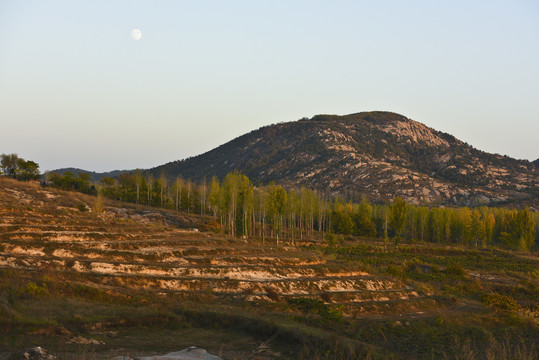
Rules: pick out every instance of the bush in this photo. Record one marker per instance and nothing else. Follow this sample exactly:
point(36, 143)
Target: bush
point(455, 269)
point(501, 302)
point(34, 290)
point(310, 307)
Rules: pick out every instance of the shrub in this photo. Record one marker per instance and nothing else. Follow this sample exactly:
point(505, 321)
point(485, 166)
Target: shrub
point(310, 307)
point(212, 226)
point(34, 290)
point(501, 302)
point(455, 269)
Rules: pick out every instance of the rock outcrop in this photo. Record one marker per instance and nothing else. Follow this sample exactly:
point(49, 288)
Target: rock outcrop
point(191, 353)
point(378, 155)
point(35, 353)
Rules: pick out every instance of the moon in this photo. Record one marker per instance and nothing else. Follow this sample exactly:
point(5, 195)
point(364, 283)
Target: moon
point(136, 34)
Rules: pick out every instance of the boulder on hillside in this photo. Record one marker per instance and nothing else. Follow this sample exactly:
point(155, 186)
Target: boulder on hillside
point(191, 353)
point(35, 353)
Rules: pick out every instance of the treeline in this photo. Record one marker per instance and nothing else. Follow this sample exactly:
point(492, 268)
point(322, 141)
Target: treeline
point(13, 166)
point(68, 181)
point(243, 210)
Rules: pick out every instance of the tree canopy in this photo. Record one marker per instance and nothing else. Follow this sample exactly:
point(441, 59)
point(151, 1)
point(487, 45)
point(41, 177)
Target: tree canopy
point(13, 166)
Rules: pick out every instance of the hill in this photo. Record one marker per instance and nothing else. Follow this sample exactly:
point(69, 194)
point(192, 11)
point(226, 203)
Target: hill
point(97, 281)
point(94, 176)
point(378, 155)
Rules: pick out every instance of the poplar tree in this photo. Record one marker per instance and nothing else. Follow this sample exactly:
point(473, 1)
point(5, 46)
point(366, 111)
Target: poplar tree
point(398, 217)
point(214, 196)
point(137, 177)
point(150, 184)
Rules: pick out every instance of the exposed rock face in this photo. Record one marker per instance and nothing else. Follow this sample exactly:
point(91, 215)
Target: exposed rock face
point(191, 353)
point(36, 353)
point(378, 155)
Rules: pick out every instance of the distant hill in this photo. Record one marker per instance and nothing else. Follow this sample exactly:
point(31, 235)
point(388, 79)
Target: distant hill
point(94, 176)
point(377, 155)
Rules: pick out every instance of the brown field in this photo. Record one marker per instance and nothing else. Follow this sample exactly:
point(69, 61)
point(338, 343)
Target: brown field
point(131, 280)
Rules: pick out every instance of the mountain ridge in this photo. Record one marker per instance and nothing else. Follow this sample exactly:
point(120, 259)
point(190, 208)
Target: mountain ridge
point(94, 176)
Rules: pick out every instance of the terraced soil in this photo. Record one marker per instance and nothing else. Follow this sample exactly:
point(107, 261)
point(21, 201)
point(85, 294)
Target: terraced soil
point(165, 259)
point(130, 258)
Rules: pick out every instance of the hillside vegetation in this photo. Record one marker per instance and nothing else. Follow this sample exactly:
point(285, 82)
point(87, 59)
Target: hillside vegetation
point(244, 210)
point(88, 277)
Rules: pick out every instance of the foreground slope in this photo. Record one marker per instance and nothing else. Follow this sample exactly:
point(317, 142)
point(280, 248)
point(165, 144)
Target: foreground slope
point(135, 280)
point(379, 155)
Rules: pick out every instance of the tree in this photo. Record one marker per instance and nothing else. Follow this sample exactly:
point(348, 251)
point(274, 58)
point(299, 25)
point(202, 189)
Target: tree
point(28, 170)
point(215, 196)
point(477, 228)
point(526, 227)
point(342, 219)
point(518, 230)
point(13, 166)
point(163, 189)
point(465, 220)
point(203, 197)
point(108, 187)
point(260, 203)
point(292, 206)
point(363, 219)
point(9, 164)
point(422, 221)
point(489, 224)
point(277, 207)
point(138, 178)
point(398, 217)
point(230, 187)
point(149, 188)
point(245, 204)
point(177, 188)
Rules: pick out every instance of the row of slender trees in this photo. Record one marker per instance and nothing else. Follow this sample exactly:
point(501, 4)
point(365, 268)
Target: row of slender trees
point(243, 210)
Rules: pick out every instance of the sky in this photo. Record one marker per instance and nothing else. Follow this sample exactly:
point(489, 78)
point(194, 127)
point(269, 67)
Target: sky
point(77, 90)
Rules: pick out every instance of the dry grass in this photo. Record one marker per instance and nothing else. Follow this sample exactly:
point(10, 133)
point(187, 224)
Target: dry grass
point(137, 283)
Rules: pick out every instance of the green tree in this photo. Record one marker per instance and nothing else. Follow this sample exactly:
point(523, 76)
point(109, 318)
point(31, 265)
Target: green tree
point(16, 167)
point(109, 187)
point(398, 217)
point(422, 221)
point(477, 228)
point(342, 219)
point(163, 189)
point(518, 229)
point(9, 163)
point(465, 220)
point(526, 230)
point(230, 196)
point(489, 223)
point(277, 207)
point(139, 180)
point(27, 170)
point(363, 219)
point(177, 189)
point(149, 189)
point(214, 198)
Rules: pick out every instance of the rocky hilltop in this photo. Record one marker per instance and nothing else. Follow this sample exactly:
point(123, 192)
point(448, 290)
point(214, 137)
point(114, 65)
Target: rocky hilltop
point(378, 155)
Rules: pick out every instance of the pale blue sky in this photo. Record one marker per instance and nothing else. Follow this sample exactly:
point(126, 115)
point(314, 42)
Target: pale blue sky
point(77, 90)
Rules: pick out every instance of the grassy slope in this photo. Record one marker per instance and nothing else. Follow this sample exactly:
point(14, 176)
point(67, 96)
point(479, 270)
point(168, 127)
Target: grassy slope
point(135, 280)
